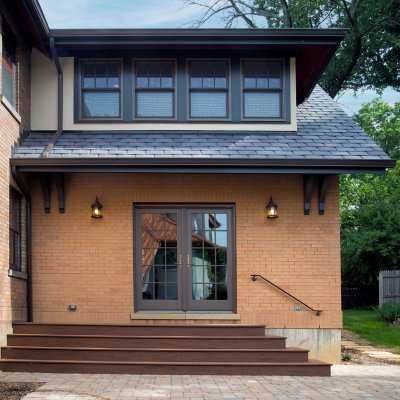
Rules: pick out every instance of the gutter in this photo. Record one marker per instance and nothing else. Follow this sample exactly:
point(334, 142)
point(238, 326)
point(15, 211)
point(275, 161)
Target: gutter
point(60, 89)
point(211, 165)
point(27, 196)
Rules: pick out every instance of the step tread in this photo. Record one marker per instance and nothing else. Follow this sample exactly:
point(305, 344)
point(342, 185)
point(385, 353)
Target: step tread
point(266, 337)
point(288, 349)
point(148, 325)
point(172, 363)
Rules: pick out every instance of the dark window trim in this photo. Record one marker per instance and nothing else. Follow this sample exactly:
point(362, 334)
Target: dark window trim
point(285, 90)
point(230, 304)
point(15, 196)
point(181, 92)
point(228, 90)
point(81, 89)
point(174, 89)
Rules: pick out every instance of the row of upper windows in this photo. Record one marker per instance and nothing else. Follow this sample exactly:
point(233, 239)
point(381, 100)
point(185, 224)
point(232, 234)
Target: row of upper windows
point(209, 88)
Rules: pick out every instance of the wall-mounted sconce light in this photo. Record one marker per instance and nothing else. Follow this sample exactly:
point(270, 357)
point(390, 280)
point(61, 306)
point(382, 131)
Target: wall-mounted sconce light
point(271, 209)
point(96, 209)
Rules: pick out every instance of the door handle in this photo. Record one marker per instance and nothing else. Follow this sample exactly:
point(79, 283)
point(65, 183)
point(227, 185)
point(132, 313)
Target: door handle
point(180, 261)
point(188, 261)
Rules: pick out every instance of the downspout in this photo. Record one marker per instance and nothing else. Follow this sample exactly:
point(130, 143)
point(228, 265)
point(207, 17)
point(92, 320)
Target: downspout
point(58, 133)
point(28, 227)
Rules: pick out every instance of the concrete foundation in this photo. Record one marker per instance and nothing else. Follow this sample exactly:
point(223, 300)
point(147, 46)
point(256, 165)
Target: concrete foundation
point(324, 344)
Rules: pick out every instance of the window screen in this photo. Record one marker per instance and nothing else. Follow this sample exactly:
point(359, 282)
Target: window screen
point(262, 89)
point(208, 89)
point(154, 89)
point(101, 89)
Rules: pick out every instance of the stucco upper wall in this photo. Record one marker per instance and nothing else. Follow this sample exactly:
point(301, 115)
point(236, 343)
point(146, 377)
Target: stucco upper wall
point(44, 104)
point(44, 92)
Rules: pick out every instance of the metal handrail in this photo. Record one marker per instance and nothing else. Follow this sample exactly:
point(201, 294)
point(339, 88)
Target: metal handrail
point(254, 278)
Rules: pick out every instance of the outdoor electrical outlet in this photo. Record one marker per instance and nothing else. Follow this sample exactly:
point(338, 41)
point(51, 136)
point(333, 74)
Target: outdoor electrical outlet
point(297, 308)
point(72, 307)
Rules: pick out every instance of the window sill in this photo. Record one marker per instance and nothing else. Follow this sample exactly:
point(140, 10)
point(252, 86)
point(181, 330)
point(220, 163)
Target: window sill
point(17, 274)
point(182, 315)
point(11, 109)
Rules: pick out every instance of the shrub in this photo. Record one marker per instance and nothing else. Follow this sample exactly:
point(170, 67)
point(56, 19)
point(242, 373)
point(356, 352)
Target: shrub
point(389, 311)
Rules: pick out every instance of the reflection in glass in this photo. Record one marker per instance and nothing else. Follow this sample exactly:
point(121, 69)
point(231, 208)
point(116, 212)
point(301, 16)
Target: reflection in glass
point(209, 256)
point(159, 256)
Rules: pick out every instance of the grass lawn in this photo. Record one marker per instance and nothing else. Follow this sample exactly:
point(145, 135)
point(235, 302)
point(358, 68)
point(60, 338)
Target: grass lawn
point(367, 325)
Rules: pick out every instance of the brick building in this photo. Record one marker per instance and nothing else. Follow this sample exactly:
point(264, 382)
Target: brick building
point(150, 162)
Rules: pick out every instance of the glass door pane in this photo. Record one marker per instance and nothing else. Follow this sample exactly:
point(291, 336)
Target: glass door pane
point(210, 264)
point(158, 235)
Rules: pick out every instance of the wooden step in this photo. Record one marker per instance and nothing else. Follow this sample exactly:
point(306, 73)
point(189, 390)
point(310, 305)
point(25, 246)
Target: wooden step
point(290, 354)
point(146, 342)
point(141, 329)
point(310, 368)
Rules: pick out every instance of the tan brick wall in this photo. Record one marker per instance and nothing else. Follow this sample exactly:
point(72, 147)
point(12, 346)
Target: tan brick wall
point(77, 259)
point(12, 290)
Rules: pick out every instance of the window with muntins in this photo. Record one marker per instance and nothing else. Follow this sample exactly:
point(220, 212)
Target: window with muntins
point(101, 90)
point(15, 229)
point(154, 89)
point(262, 83)
point(9, 86)
point(208, 89)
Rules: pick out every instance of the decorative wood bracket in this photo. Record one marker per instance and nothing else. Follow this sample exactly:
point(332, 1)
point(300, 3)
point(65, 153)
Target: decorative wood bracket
point(59, 178)
point(323, 183)
point(45, 180)
point(308, 187)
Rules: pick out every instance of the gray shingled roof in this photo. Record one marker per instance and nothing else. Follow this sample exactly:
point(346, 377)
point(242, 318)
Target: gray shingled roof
point(324, 132)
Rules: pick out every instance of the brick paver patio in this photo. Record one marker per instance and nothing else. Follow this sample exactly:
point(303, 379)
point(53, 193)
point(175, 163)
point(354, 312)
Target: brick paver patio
point(347, 382)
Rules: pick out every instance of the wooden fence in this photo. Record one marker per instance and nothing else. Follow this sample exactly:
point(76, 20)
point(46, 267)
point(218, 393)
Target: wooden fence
point(389, 286)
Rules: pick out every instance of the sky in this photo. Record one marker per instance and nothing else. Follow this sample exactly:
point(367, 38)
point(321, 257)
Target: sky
point(159, 14)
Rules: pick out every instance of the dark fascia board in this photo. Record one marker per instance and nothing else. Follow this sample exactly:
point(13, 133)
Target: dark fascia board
point(38, 17)
point(192, 36)
point(212, 165)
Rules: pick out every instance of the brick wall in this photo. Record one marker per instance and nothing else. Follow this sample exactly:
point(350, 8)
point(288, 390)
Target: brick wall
point(12, 290)
point(77, 259)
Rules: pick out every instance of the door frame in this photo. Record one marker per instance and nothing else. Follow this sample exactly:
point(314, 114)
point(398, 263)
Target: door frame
point(137, 258)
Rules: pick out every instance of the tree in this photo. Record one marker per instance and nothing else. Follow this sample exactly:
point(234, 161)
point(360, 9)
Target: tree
point(370, 204)
point(369, 56)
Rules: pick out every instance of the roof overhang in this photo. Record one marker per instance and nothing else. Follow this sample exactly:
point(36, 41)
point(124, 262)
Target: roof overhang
point(202, 166)
point(313, 48)
point(31, 21)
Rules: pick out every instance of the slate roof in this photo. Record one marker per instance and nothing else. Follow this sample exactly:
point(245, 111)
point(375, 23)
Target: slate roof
point(325, 132)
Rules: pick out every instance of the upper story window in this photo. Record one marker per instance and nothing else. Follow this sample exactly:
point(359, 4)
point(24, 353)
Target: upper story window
point(9, 80)
point(262, 89)
point(101, 89)
point(154, 89)
point(183, 90)
point(208, 89)
point(15, 229)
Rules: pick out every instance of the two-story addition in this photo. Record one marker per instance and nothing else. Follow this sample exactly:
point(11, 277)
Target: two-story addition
point(181, 192)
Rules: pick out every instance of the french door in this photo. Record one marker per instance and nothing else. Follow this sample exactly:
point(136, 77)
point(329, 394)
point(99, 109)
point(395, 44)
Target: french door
point(184, 258)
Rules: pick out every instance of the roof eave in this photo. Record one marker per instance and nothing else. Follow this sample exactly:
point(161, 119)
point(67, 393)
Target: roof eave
point(211, 165)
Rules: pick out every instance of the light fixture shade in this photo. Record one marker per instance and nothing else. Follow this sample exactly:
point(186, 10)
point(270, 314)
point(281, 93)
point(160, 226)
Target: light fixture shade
point(96, 209)
point(271, 209)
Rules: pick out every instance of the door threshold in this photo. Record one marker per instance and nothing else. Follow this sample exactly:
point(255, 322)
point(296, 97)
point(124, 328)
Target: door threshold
point(140, 315)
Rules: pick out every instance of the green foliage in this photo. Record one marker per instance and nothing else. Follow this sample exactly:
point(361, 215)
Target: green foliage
point(369, 56)
point(368, 325)
point(370, 204)
point(389, 311)
point(346, 357)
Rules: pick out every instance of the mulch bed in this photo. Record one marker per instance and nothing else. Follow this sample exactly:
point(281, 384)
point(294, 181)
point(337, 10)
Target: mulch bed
point(16, 391)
